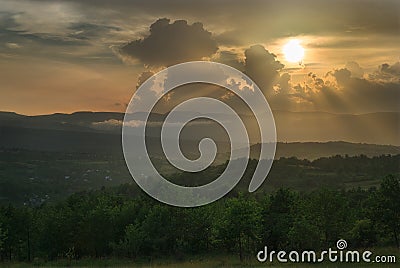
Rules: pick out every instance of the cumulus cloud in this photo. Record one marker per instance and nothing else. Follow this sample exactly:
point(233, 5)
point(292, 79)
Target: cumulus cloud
point(393, 70)
point(258, 63)
point(342, 76)
point(355, 69)
point(387, 73)
point(340, 91)
point(171, 43)
point(230, 58)
point(143, 77)
point(283, 84)
point(346, 89)
point(262, 67)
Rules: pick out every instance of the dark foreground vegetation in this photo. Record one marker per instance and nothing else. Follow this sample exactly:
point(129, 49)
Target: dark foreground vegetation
point(112, 223)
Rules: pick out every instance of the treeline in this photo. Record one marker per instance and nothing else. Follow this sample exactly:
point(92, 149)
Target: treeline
point(108, 223)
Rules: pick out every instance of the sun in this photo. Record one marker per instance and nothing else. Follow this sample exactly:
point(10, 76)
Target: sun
point(293, 51)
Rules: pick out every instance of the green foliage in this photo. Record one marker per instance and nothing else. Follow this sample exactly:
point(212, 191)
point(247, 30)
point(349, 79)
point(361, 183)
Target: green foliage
point(117, 223)
point(240, 224)
point(3, 236)
point(279, 212)
point(385, 207)
point(363, 234)
point(132, 242)
point(331, 213)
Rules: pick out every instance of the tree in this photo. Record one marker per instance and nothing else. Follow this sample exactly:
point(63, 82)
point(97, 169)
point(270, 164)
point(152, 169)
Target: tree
point(363, 234)
point(240, 224)
point(161, 231)
point(278, 215)
point(303, 233)
point(132, 243)
point(198, 228)
point(3, 237)
point(332, 214)
point(385, 206)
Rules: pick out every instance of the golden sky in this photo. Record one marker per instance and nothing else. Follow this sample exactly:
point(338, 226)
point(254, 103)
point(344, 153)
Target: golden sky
point(66, 56)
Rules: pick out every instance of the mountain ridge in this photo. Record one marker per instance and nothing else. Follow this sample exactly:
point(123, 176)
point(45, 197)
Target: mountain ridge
point(309, 128)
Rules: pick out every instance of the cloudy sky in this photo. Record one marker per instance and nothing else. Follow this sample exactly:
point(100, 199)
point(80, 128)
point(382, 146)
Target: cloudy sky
point(66, 56)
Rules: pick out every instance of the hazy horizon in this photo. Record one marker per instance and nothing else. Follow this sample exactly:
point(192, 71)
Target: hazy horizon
point(291, 126)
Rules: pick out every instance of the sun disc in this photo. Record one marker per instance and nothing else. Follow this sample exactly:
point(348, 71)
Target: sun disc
point(293, 51)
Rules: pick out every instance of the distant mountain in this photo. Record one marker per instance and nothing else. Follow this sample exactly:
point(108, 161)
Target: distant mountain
point(314, 150)
point(101, 132)
point(80, 121)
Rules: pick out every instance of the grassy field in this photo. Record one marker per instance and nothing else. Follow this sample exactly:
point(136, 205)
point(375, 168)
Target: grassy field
point(204, 261)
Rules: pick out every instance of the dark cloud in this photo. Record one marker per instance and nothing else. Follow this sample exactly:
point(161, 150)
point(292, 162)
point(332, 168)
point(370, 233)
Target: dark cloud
point(283, 83)
point(10, 32)
point(259, 64)
point(287, 17)
point(171, 43)
point(143, 77)
point(275, 19)
point(262, 67)
point(229, 58)
point(7, 20)
point(79, 42)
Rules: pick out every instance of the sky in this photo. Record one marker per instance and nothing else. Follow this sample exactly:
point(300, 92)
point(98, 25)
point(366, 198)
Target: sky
point(67, 56)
